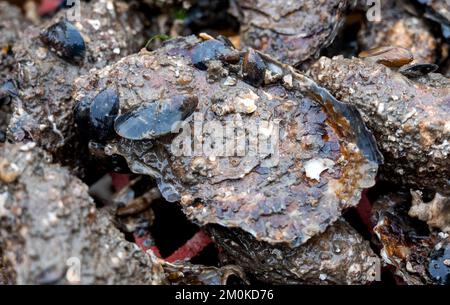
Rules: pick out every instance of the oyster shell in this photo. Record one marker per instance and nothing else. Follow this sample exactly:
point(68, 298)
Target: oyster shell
point(290, 31)
point(266, 192)
point(11, 23)
point(47, 69)
point(39, 243)
point(337, 256)
point(409, 117)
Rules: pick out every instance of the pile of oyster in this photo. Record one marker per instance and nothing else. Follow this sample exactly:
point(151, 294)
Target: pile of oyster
point(308, 142)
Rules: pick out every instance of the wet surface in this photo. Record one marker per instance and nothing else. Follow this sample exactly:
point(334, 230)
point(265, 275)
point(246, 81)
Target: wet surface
point(338, 256)
point(406, 243)
point(215, 161)
point(284, 202)
point(409, 117)
point(49, 58)
point(292, 31)
point(41, 242)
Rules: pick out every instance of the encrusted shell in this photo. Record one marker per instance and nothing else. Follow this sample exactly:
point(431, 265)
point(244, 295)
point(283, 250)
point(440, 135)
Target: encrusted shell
point(272, 194)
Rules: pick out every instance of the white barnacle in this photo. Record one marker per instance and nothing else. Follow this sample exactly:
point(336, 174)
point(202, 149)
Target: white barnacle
point(314, 167)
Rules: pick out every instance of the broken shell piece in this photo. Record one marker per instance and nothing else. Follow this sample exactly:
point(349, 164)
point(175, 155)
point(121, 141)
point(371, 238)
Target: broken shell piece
point(245, 103)
point(435, 213)
point(238, 160)
point(140, 203)
point(9, 171)
point(314, 167)
point(388, 56)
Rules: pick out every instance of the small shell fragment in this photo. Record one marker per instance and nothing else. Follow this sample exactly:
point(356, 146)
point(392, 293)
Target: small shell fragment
point(388, 56)
point(314, 167)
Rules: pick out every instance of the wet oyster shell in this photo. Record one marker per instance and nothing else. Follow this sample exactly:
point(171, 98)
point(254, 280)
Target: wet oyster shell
point(43, 111)
point(408, 117)
point(48, 223)
point(290, 31)
point(337, 256)
point(326, 156)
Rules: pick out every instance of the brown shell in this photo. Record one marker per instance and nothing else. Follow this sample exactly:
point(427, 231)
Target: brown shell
point(337, 256)
point(43, 114)
point(48, 222)
point(290, 31)
point(275, 203)
point(409, 117)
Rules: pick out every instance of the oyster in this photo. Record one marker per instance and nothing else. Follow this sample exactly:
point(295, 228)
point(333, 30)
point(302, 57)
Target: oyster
point(64, 240)
point(337, 256)
point(52, 55)
point(316, 158)
point(409, 117)
point(292, 31)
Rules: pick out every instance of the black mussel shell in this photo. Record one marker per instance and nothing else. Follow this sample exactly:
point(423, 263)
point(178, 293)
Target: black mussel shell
point(65, 40)
point(7, 90)
point(154, 119)
point(253, 68)
point(212, 49)
point(2, 136)
point(417, 70)
point(439, 265)
point(81, 116)
point(102, 113)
